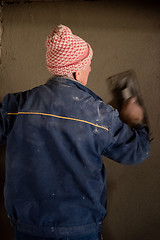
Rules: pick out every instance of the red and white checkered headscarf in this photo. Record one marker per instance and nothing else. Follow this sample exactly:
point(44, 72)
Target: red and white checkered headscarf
point(66, 53)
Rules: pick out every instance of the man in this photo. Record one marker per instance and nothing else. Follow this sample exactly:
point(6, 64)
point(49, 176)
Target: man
point(55, 135)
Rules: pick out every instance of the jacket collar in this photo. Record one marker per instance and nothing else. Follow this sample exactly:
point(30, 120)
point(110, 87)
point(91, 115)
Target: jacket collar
point(71, 82)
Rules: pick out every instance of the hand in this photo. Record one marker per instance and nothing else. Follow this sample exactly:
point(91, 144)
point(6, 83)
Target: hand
point(132, 113)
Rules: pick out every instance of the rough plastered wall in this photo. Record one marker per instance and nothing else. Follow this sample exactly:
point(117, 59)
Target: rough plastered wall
point(123, 36)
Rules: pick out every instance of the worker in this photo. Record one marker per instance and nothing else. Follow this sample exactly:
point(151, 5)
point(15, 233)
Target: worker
point(55, 136)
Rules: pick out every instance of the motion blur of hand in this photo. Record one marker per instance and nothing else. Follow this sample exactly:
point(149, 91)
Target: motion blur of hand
point(132, 113)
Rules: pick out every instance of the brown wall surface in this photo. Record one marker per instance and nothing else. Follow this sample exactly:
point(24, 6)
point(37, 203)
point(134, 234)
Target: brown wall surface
point(123, 36)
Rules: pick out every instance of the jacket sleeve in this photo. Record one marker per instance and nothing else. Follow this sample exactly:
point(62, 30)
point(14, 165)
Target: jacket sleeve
point(127, 145)
point(3, 121)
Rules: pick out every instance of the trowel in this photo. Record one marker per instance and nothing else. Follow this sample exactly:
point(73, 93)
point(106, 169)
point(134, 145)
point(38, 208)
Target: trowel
point(124, 86)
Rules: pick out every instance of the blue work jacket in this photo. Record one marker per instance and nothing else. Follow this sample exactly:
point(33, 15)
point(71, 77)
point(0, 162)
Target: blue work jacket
point(55, 135)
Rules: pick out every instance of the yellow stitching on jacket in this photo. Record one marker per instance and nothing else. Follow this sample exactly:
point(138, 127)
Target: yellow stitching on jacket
point(56, 116)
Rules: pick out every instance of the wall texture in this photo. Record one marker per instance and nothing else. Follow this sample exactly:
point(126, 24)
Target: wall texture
point(123, 36)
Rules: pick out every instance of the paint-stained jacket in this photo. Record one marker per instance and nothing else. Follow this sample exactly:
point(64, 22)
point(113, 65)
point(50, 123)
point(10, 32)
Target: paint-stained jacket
point(55, 135)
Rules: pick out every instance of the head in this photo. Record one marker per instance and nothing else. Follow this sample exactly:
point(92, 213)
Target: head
point(68, 54)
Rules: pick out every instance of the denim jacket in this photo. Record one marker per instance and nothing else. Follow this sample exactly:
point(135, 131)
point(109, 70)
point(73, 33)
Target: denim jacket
point(55, 135)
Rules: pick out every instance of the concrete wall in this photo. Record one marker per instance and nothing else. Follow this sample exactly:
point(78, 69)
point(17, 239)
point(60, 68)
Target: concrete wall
point(123, 36)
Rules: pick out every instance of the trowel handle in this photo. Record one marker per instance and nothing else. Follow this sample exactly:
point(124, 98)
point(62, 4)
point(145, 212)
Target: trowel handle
point(126, 93)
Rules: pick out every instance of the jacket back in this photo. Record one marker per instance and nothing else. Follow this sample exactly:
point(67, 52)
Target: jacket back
point(55, 178)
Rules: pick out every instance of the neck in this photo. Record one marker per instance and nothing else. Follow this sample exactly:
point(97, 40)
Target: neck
point(69, 75)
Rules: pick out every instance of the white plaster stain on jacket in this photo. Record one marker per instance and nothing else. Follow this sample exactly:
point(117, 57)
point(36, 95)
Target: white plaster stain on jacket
point(76, 98)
